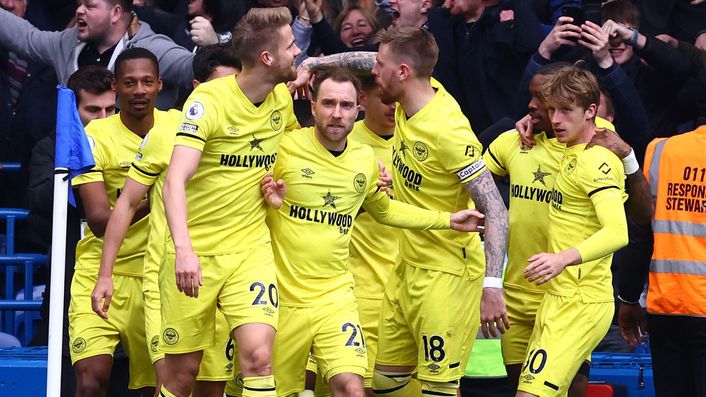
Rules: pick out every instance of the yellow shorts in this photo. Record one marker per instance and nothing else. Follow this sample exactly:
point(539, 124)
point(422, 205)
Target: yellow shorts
point(565, 333)
point(429, 320)
point(90, 335)
point(332, 334)
point(242, 285)
point(521, 309)
point(217, 361)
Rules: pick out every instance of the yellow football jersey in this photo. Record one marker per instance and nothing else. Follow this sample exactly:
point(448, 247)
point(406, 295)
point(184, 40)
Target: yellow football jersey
point(374, 247)
point(583, 173)
point(532, 173)
point(311, 232)
point(114, 147)
point(435, 152)
point(238, 141)
point(149, 168)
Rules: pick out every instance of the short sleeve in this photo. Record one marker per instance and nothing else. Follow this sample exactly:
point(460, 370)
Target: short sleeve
point(460, 152)
point(289, 117)
point(148, 163)
point(95, 174)
point(497, 156)
point(198, 120)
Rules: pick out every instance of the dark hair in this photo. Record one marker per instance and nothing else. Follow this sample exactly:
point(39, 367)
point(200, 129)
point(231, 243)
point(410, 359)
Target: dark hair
point(225, 13)
point(367, 83)
point(337, 74)
point(621, 11)
point(609, 107)
point(135, 53)
point(92, 79)
point(414, 46)
point(126, 5)
point(208, 58)
point(550, 69)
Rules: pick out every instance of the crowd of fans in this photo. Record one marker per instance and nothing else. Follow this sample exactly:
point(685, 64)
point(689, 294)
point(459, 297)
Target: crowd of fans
point(649, 56)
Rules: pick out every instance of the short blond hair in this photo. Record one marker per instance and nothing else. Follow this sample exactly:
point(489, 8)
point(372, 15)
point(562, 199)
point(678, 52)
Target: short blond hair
point(572, 85)
point(415, 46)
point(258, 31)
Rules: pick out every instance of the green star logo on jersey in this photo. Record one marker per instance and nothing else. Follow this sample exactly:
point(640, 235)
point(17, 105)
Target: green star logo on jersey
point(255, 144)
point(329, 199)
point(403, 149)
point(539, 175)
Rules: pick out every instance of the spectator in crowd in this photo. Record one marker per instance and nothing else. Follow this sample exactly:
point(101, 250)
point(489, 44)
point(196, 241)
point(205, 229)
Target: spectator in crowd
point(630, 116)
point(685, 20)
point(95, 99)
point(104, 28)
point(658, 70)
point(205, 22)
point(482, 53)
point(354, 29)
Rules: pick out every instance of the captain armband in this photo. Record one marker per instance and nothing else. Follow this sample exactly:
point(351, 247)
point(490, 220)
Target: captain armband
point(470, 170)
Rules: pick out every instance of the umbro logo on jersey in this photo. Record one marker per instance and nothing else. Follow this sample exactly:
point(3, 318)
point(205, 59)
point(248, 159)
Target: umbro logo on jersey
point(233, 130)
point(307, 173)
point(604, 168)
point(528, 378)
point(433, 368)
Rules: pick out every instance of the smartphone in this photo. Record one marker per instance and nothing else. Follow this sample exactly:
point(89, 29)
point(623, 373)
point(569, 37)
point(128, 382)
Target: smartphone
point(592, 11)
point(574, 12)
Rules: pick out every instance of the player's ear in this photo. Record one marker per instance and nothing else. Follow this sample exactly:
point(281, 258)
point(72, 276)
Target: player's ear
point(404, 72)
point(361, 99)
point(313, 108)
point(195, 83)
point(266, 58)
point(590, 112)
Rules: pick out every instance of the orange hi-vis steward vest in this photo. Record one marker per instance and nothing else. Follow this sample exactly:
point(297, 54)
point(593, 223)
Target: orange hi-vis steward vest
point(676, 170)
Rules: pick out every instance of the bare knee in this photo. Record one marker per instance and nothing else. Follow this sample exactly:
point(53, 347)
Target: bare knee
point(93, 375)
point(182, 371)
point(256, 361)
point(347, 385)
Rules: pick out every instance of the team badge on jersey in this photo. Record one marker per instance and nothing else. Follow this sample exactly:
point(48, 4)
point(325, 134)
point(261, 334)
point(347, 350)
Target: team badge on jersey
point(154, 343)
point(421, 152)
point(571, 167)
point(359, 182)
point(276, 120)
point(79, 345)
point(195, 111)
point(170, 336)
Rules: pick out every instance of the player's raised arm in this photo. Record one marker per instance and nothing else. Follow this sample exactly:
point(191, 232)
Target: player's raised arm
point(130, 205)
point(182, 167)
point(485, 195)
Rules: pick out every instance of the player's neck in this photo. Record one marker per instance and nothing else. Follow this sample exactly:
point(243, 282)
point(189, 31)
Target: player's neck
point(137, 126)
point(254, 84)
point(378, 128)
point(330, 145)
point(416, 95)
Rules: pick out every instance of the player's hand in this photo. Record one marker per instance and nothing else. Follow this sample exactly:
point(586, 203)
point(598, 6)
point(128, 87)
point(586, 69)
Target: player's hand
point(526, 129)
point(669, 39)
point(273, 191)
point(631, 322)
point(202, 33)
point(544, 267)
point(188, 273)
point(467, 221)
point(493, 313)
point(617, 30)
point(611, 141)
point(595, 39)
point(563, 33)
point(384, 179)
point(700, 42)
point(300, 85)
point(102, 293)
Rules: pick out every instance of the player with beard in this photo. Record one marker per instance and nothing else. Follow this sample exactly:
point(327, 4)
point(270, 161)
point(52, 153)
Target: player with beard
point(226, 143)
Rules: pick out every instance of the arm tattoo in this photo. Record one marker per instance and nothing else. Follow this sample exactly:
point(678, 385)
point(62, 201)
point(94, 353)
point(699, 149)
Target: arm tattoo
point(485, 195)
point(356, 61)
point(639, 205)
